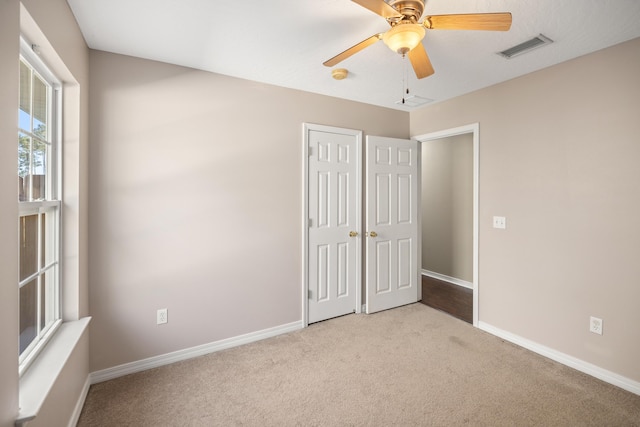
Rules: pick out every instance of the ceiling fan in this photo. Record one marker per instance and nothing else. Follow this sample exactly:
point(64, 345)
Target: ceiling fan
point(406, 33)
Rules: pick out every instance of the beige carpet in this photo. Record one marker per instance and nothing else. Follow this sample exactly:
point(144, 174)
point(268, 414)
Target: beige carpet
point(404, 367)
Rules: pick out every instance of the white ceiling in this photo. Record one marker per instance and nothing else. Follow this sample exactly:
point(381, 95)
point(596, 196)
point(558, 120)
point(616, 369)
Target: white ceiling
point(285, 42)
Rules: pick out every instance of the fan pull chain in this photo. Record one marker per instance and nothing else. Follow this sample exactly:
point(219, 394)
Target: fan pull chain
point(405, 78)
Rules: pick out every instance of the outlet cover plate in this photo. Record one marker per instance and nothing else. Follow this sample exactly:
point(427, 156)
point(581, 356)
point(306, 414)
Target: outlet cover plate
point(162, 316)
point(595, 325)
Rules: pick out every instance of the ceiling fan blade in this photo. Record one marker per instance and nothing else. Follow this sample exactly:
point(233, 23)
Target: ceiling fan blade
point(379, 7)
point(472, 21)
point(420, 62)
point(352, 50)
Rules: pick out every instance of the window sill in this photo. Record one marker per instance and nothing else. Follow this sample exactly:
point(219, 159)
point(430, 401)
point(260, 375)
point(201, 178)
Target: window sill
point(39, 379)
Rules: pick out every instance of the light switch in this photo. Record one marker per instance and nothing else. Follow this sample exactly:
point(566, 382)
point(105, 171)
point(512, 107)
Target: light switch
point(499, 222)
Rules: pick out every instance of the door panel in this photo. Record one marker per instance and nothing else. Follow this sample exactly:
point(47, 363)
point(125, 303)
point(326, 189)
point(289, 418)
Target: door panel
point(334, 196)
point(383, 196)
point(392, 223)
point(383, 266)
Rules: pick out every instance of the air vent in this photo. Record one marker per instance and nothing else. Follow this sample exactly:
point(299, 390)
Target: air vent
point(525, 47)
point(414, 101)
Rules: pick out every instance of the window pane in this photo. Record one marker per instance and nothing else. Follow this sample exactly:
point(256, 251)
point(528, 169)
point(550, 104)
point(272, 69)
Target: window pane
point(25, 96)
point(43, 241)
point(39, 164)
point(28, 313)
point(40, 114)
point(24, 165)
point(28, 246)
point(48, 298)
point(48, 236)
point(24, 154)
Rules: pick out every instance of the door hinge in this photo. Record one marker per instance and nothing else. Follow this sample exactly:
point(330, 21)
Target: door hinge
point(310, 224)
point(310, 294)
point(310, 151)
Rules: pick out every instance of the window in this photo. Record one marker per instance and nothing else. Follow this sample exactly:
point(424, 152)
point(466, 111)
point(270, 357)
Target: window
point(38, 205)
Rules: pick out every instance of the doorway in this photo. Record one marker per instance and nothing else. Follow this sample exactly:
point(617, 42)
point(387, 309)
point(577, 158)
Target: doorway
point(450, 216)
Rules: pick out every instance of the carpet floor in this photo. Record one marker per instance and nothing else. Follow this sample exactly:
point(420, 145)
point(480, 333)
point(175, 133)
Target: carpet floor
point(410, 366)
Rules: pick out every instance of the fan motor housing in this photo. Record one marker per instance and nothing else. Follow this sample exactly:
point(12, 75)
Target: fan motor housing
point(410, 9)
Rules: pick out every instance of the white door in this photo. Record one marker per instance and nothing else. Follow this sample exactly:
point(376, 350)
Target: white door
point(334, 243)
point(392, 269)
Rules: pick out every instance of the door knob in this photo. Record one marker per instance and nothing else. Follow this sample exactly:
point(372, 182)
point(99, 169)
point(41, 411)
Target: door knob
point(373, 234)
point(353, 233)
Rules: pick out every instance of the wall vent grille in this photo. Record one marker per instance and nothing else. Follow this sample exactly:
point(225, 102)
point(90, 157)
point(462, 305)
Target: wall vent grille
point(525, 47)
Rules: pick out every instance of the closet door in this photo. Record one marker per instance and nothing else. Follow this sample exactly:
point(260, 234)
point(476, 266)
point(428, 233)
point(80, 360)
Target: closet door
point(334, 182)
point(392, 270)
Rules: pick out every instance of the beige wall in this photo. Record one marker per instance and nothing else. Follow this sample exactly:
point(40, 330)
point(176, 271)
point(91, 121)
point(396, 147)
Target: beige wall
point(9, 50)
point(196, 203)
point(447, 206)
point(50, 24)
point(559, 158)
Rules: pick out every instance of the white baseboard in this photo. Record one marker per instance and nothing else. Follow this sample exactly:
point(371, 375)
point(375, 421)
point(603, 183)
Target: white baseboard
point(580, 365)
point(75, 416)
point(449, 279)
point(176, 356)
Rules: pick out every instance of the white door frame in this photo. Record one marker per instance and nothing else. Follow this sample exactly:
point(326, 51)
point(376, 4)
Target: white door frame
point(306, 127)
point(474, 129)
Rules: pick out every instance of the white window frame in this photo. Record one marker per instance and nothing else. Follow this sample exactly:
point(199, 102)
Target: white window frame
point(52, 204)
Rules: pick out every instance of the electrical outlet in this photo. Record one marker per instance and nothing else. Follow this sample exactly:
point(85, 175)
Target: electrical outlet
point(595, 325)
point(162, 316)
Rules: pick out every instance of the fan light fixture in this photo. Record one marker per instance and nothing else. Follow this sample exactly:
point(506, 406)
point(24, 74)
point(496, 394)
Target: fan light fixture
point(402, 38)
